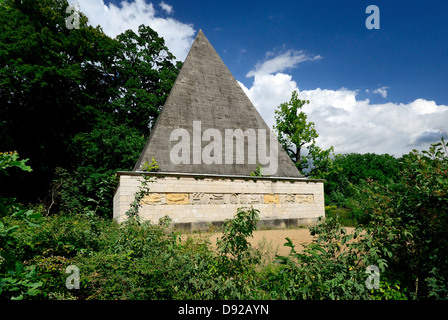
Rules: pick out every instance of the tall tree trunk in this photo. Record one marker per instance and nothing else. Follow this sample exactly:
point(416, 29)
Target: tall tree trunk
point(298, 158)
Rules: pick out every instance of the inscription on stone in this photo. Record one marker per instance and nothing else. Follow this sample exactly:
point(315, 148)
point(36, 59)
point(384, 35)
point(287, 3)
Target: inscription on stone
point(177, 198)
point(154, 198)
point(304, 198)
point(216, 198)
point(198, 198)
point(202, 198)
point(271, 198)
point(287, 198)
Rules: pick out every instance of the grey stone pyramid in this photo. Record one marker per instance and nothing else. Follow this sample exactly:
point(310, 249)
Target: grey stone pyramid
point(205, 93)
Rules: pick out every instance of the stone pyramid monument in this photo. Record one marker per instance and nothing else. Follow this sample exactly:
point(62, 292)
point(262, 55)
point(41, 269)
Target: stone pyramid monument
point(207, 140)
point(207, 95)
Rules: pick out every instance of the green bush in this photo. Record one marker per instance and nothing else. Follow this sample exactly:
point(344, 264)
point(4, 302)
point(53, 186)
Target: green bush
point(332, 267)
point(341, 187)
point(233, 246)
point(400, 227)
point(345, 216)
point(139, 260)
point(409, 220)
point(18, 280)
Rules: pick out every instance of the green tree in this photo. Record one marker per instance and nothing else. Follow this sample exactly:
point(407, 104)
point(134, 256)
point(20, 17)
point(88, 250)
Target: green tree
point(409, 219)
point(293, 129)
point(295, 133)
point(146, 71)
point(76, 102)
point(356, 169)
point(49, 87)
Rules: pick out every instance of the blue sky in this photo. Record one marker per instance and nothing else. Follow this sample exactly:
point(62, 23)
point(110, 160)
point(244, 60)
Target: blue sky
point(408, 54)
point(382, 91)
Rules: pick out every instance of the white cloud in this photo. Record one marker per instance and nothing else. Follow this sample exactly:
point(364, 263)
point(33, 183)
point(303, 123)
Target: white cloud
point(130, 15)
point(166, 7)
point(353, 125)
point(268, 91)
point(344, 121)
point(281, 62)
point(381, 91)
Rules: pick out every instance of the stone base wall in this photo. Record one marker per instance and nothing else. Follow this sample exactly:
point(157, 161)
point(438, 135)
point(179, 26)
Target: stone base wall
point(199, 201)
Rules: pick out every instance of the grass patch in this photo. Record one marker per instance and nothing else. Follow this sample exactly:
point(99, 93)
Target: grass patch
point(343, 215)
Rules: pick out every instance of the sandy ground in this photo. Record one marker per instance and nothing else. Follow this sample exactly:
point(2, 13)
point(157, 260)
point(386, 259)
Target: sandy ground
point(274, 239)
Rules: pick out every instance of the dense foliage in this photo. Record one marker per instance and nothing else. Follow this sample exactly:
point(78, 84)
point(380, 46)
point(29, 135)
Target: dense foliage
point(355, 169)
point(150, 261)
point(77, 103)
point(410, 218)
point(403, 235)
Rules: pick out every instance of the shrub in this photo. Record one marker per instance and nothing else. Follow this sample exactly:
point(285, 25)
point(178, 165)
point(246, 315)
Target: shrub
point(17, 280)
point(332, 267)
point(233, 246)
point(408, 220)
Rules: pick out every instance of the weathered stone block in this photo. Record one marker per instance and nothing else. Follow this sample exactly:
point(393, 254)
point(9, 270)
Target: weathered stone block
point(212, 200)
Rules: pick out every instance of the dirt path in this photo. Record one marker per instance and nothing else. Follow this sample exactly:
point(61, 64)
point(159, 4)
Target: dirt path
point(275, 239)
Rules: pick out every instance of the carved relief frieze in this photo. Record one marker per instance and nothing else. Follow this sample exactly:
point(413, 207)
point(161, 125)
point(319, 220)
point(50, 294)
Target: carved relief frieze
point(203, 198)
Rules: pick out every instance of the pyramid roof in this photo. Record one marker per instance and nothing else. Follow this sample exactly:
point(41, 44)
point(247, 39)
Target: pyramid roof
point(205, 93)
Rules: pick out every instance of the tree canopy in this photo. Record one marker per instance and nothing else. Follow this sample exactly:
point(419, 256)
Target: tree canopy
point(295, 133)
point(75, 99)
